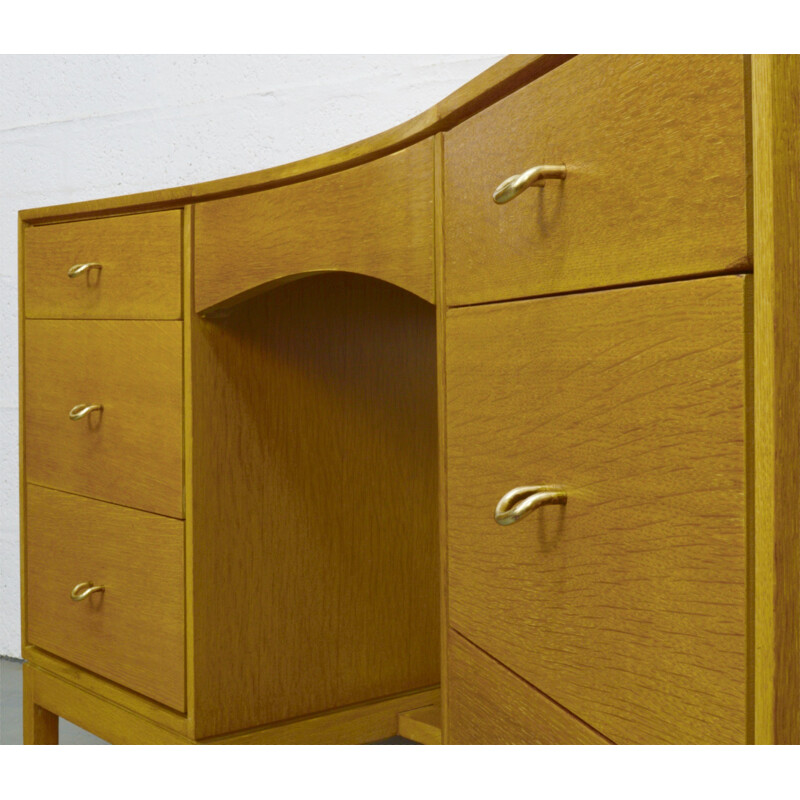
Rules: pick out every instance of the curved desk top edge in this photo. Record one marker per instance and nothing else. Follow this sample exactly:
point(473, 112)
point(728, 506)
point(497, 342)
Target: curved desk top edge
point(500, 80)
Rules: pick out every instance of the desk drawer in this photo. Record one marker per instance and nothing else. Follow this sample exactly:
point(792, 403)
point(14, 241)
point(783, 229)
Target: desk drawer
point(374, 219)
point(139, 275)
point(132, 632)
point(489, 704)
point(655, 156)
point(627, 605)
point(129, 453)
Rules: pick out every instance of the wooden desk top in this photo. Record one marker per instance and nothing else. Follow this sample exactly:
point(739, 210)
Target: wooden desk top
point(498, 81)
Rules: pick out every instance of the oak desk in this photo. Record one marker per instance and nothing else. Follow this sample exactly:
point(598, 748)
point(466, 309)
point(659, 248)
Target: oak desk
point(480, 430)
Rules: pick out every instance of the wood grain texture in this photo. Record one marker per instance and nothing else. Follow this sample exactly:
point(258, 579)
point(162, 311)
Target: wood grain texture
point(776, 208)
point(111, 722)
point(644, 122)
point(132, 452)
point(491, 85)
point(188, 458)
point(627, 605)
point(422, 725)
point(107, 690)
point(118, 724)
point(656, 179)
point(317, 566)
point(361, 724)
point(441, 311)
point(489, 704)
point(140, 277)
point(39, 726)
point(132, 633)
point(375, 219)
point(21, 418)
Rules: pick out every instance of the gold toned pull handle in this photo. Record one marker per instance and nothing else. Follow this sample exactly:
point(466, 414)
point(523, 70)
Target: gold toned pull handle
point(517, 184)
point(83, 409)
point(519, 502)
point(79, 269)
point(83, 590)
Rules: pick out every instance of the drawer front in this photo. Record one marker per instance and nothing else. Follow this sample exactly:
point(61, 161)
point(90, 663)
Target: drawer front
point(627, 605)
point(133, 631)
point(129, 453)
point(654, 149)
point(489, 704)
point(375, 219)
point(139, 275)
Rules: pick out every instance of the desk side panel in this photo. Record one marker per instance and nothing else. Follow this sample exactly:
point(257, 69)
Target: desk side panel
point(315, 502)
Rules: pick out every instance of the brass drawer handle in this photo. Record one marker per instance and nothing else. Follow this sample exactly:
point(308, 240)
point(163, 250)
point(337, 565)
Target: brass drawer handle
point(517, 184)
point(78, 269)
point(83, 409)
point(519, 502)
point(83, 590)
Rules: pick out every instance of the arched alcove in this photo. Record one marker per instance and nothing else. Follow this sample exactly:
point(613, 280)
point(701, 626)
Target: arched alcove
point(315, 499)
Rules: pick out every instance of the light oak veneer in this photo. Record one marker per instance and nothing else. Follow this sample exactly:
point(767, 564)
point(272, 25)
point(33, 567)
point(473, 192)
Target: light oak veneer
point(655, 153)
point(628, 604)
point(117, 724)
point(131, 452)
point(325, 594)
point(139, 278)
point(776, 332)
point(319, 562)
point(423, 725)
point(489, 704)
point(132, 632)
point(375, 219)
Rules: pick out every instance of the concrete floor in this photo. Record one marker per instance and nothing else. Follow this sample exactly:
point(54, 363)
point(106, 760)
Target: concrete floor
point(11, 713)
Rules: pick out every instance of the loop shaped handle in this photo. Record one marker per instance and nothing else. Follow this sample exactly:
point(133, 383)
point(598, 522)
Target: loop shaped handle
point(84, 589)
point(519, 502)
point(79, 269)
point(517, 184)
point(82, 410)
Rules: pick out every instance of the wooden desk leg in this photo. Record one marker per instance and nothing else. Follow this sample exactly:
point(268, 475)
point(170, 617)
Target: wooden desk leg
point(39, 726)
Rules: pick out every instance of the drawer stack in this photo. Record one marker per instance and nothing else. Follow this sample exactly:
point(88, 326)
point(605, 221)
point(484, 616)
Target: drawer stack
point(103, 439)
point(604, 430)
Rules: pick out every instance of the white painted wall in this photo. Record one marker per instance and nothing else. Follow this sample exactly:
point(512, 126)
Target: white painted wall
point(82, 127)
